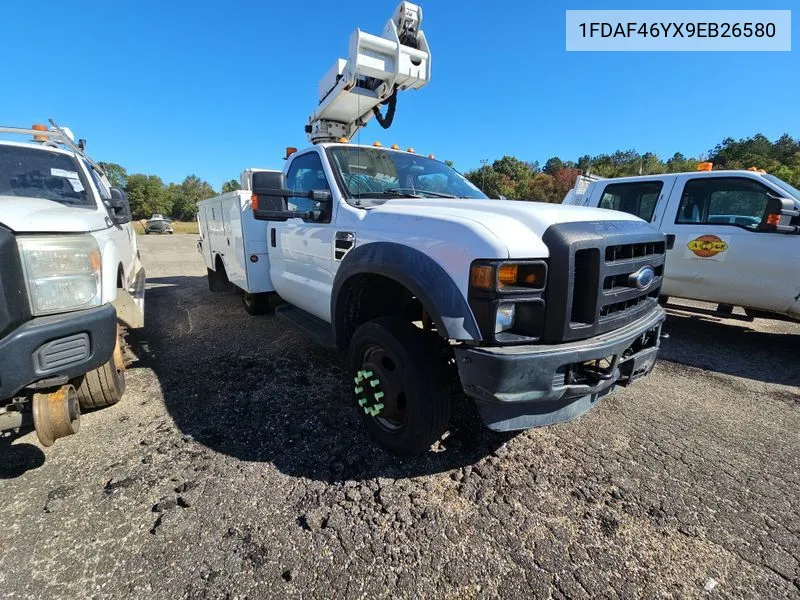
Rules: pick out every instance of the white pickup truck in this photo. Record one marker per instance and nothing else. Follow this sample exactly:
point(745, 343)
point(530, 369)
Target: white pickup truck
point(535, 311)
point(70, 274)
point(732, 235)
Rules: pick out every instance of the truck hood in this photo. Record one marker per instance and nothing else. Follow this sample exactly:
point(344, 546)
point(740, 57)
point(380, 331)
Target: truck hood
point(42, 216)
point(519, 224)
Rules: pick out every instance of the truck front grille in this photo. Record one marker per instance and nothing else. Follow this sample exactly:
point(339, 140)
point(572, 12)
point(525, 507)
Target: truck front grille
point(590, 289)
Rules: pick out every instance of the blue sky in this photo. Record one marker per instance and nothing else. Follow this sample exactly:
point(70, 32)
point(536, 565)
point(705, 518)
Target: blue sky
point(210, 88)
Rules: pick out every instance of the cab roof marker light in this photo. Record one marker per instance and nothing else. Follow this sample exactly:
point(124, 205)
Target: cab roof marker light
point(410, 150)
point(705, 166)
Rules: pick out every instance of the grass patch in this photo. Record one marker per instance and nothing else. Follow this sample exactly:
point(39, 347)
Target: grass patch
point(189, 227)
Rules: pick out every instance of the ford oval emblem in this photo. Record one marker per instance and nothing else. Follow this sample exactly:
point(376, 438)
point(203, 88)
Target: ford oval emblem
point(643, 278)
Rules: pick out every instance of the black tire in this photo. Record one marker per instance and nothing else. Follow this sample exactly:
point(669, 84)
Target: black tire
point(105, 385)
point(256, 304)
point(415, 400)
point(217, 281)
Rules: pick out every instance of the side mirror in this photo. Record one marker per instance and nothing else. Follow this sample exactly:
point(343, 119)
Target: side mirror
point(782, 215)
point(269, 198)
point(119, 207)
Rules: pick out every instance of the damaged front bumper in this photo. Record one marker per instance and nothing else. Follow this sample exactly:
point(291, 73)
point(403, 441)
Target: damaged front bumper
point(518, 387)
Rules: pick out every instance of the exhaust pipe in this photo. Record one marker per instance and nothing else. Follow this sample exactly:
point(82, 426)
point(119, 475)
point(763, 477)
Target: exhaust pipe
point(56, 414)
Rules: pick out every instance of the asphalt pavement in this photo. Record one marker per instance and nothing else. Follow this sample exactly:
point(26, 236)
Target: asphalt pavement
point(236, 467)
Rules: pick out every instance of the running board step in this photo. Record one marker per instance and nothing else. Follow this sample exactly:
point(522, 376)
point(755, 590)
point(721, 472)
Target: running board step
point(314, 327)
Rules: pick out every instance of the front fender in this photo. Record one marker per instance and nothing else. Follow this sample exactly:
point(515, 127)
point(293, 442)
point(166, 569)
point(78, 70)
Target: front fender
point(418, 273)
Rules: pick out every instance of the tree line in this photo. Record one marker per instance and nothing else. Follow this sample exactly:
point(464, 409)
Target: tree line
point(148, 194)
point(518, 179)
point(509, 176)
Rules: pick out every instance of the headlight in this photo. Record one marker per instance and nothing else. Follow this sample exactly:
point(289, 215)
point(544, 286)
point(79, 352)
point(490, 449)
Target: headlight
point(508, 277)
point(62, 272)
point(507, 299)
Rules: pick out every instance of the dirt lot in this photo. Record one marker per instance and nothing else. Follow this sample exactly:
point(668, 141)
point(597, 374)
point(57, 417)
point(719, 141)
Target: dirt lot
point(236, 467)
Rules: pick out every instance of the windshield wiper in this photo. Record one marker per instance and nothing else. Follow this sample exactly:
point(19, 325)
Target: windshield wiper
point(385, 194)
point(416, 193)
point(402, 193)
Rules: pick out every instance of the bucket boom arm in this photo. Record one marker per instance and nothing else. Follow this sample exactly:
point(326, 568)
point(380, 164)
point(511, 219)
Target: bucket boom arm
point(376, 69)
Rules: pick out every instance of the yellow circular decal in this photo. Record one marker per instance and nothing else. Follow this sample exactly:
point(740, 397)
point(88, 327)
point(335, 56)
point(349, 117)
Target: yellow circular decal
point(707, 246)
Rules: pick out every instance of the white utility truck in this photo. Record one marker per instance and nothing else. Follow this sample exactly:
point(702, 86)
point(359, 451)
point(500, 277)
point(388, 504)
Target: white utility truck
point(70, 279)
point(732, 235)
point(234, 245)
point(535, 311)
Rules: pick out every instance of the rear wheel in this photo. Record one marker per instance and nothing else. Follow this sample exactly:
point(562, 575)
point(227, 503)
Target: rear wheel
point(400, 385)
point(217, 280)
point(256, 304)
point(105, 385)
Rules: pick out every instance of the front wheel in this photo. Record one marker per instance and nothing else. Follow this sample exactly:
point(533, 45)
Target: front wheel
point(400, 385)
point(105, 385)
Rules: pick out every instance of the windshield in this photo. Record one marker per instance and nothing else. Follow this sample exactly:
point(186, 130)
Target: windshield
point(34, 173)
point(383, 174)
point(789, 189)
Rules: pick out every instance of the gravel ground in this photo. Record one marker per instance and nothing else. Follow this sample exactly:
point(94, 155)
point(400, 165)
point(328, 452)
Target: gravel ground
point(236, 467)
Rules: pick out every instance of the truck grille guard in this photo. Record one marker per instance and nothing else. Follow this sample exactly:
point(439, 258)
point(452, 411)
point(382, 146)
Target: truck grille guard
point(603, 275)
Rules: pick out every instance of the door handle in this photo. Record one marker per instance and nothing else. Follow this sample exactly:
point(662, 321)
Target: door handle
point(670, 241)
point(272, 237)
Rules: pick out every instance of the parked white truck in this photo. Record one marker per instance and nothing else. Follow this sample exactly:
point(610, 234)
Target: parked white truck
point(732, 235)
point(535, 311)
point(70, 276)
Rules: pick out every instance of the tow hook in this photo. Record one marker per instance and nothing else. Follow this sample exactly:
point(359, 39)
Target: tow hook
point(56, 414)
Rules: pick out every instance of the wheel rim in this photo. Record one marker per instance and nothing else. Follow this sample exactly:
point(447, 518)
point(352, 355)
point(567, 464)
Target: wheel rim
point(380, 391)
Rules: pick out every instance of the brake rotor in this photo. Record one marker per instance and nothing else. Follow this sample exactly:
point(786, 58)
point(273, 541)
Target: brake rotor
point(56, 414)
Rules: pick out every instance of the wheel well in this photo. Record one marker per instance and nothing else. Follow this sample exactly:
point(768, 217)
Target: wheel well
point(368, 296)
point(219, 264)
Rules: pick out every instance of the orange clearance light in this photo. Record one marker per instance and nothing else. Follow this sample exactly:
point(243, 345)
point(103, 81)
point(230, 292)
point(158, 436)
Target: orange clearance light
point(344, 140)
point(507, 274)
point(39, 127)
point(482, 277)
point(395, 147)
point(431, 156)
point(290, 150)
point(705, 166)
point(410, 150)
point(761, 171)
point(773, 219)
point(377, 144)
point(254, 202)
point(752, 169)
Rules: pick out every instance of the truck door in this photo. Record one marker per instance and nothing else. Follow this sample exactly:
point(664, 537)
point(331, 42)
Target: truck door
point(716, 252)
point(644, 198)
point(301, 250)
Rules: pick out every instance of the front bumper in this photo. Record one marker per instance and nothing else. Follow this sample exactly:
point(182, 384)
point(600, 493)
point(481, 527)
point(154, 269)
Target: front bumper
point(56, 347)
point(517, 387)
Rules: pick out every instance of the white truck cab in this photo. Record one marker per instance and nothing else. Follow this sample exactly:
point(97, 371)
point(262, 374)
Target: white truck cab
point(535, 311)
point(732, 234)
point(71, 277)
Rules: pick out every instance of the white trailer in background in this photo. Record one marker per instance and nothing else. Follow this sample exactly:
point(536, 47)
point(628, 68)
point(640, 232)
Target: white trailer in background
point(234, 245)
